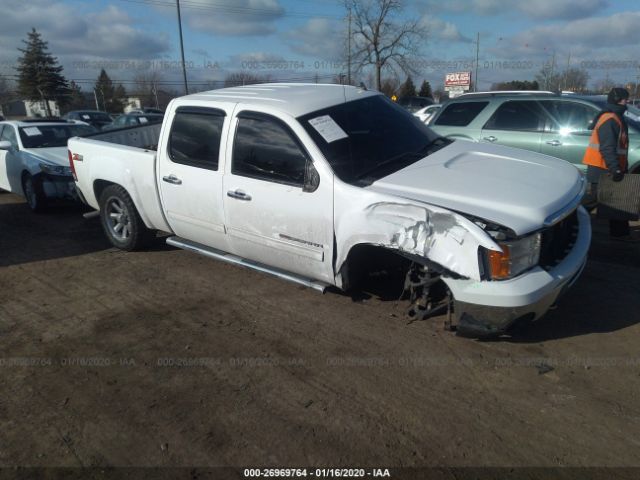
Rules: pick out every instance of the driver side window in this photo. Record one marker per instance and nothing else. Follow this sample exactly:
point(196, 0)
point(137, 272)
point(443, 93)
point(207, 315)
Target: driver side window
point(265, 148)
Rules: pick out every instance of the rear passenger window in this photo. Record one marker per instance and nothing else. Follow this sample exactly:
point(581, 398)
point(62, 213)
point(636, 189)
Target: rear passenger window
point(460, 114)
point(517, 115)
point(265, 148)
point(195, 137)
point(570, 116)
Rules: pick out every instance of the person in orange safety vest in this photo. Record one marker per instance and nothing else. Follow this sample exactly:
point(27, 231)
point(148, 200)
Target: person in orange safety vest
point(607, 153)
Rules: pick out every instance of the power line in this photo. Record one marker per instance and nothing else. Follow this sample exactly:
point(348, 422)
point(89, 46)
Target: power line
point(217, 9)
point(293, 78)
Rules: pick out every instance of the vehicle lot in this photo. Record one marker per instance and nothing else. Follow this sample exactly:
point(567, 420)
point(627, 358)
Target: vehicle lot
point(195, 362)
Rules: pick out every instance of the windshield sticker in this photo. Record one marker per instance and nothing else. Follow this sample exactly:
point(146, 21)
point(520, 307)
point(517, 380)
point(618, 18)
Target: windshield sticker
point(86, 117)
point(328, 128)
point(32, 131)
point(143, 120)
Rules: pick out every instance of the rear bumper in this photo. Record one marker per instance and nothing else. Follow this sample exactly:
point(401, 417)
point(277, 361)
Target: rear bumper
point(485, 308)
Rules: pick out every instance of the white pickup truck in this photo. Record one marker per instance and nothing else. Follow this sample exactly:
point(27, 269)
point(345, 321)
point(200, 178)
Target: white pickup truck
point(320, 183)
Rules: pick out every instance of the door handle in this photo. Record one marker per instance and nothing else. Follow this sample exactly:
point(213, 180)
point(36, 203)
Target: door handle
point(172, 179)
point(554, 143)
point(239, 195)
point(490, 139)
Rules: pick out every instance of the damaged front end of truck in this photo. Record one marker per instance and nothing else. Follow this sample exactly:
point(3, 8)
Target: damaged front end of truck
point(431, 245)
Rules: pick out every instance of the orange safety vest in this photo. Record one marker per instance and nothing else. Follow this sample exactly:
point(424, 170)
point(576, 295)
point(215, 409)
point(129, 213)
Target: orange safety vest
point(593, 156)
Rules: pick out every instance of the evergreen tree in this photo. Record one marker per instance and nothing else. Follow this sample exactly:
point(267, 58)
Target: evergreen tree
point(407, 89)
point(425, 89)
point(110, 97)
point(76, 100)
point(39, 75)
point(120, 98)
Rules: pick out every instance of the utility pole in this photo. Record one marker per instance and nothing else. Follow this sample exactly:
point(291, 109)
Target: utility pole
point(349, 50)
point(566, 73)
point(553, 64)
point(155, 94)
point(184, 66)
point(475, 77)
point(104, 101)
point(95, 96)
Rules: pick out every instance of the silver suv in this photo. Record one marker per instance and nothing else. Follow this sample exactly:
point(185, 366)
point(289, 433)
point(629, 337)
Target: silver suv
point(556, 125)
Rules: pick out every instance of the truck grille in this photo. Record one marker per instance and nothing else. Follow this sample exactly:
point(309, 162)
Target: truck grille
point(558, 240)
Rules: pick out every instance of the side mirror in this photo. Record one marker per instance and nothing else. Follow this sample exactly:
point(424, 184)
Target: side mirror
point(5, 145)
point(311, 178)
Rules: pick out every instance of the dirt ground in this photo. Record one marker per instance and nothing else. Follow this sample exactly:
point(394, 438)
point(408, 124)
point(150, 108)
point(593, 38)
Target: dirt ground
point(166, 358)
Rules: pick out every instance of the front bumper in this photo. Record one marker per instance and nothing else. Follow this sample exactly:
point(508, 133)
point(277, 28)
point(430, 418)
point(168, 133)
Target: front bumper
point(486, 308)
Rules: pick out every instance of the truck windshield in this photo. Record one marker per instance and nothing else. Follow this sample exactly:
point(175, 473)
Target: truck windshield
point(46, 136)
point(365, 140)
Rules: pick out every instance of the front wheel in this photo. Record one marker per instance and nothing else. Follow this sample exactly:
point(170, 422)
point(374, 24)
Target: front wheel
point(121, 221)
point(33, 192)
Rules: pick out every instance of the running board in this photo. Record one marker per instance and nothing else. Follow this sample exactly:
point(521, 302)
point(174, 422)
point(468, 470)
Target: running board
point(90, 215)
point(229, 258)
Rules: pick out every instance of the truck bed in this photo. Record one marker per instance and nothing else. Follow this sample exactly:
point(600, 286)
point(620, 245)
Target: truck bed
point(123, 157)
point(143, 136)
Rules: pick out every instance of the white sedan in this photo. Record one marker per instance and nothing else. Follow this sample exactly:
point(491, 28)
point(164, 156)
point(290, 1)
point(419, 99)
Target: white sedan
point(34, 159)
point(427, 113)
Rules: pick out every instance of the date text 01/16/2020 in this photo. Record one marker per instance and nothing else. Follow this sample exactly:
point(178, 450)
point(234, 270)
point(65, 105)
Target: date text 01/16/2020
point(316, 472)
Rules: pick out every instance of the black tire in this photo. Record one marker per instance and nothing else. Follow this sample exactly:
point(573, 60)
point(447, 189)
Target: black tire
point(34, 193)
point(121, 221)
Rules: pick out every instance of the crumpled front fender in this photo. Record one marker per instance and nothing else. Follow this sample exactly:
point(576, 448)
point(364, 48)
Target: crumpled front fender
point(438, 235)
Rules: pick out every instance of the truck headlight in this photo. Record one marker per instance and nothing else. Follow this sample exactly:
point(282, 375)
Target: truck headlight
point(516, 257)
point(55, 170)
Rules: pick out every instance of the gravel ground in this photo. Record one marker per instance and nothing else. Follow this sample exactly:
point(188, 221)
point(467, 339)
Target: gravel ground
point(164, 358)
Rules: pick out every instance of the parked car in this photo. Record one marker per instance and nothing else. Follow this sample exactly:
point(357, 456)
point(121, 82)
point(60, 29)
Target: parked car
point(426, 114)
point(633, 113)
point(556, 125)
point(317, 183)
point(94, 118)
point(133, 120)
point(34, 161)
point(144, 110)
point(414, 104)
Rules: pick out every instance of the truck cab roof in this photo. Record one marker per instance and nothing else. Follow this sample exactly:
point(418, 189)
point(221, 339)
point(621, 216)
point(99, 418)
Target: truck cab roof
point(293, 98)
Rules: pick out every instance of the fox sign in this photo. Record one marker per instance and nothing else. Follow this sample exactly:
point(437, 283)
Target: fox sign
point(458, 79)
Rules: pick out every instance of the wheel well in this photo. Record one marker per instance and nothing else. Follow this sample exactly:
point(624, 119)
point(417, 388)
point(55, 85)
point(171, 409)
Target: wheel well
point(636, 168)
point(99, 186)
point(375, 269)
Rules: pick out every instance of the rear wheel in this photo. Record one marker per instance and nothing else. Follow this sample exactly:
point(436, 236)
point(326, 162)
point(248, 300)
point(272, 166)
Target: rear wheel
point(34, 193)
point(121, 221)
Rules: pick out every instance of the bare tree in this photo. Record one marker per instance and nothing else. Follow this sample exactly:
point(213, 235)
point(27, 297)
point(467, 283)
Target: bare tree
point(380, 40)
point(574, 79)
point(389, 86)
point(244, 78)
point(604, 85)
point(147, 86)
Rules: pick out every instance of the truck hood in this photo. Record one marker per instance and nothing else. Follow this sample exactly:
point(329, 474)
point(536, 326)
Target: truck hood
point(55, 155)
point(518, 189)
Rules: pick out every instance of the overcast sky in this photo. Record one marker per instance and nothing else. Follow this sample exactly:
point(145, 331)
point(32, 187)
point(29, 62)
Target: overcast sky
point(304, 37)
